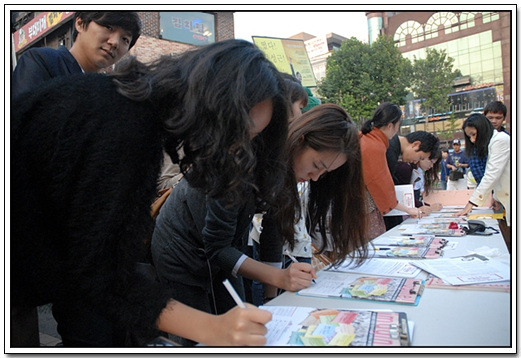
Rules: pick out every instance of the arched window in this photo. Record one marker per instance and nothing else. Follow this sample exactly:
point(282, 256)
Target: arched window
point(413, 28)
point(449, 20)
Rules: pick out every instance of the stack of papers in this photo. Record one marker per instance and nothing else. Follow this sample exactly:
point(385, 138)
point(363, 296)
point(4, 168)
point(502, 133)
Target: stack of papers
point(466, 270)
point(380, 267)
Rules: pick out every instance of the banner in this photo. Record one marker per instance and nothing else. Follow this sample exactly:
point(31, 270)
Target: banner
point(289, 56)
point(37, 27)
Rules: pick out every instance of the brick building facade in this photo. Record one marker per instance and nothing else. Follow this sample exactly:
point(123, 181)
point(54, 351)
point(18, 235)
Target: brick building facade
point(480, 43)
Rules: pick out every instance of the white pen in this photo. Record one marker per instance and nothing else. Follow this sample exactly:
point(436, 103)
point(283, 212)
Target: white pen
point(286, 252)
point(234, 294)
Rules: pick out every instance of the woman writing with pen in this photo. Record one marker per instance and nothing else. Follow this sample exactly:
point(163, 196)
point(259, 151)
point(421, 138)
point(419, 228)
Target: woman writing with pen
point(199, 240)
point(325, 176)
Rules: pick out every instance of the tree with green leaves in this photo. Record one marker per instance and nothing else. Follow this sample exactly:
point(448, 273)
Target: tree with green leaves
point(432, 80)
point(452, 127)
point(360, 76)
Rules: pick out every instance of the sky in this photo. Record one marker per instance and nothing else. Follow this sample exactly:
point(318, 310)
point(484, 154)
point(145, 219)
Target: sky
point(285, 24)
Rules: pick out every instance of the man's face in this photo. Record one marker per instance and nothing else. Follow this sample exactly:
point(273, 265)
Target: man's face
point(412, 153)
point(101, 46)
point(496, 119)
point(457, 147)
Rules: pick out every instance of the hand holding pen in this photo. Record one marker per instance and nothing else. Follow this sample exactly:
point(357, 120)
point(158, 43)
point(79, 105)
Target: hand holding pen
point(244, 324)
point(299, 268)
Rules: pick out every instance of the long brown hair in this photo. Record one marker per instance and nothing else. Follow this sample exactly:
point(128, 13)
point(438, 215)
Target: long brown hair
point(335, 212)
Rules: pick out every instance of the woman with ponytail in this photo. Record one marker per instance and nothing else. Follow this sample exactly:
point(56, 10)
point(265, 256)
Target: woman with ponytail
point(374, 141)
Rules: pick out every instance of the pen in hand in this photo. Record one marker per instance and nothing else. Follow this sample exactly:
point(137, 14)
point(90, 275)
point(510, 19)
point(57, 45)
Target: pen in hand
point(286, 252)
point(234, 294)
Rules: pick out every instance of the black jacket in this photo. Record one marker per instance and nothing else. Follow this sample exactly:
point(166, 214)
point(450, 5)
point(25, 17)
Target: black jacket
point(84, 167)
point(194, 232)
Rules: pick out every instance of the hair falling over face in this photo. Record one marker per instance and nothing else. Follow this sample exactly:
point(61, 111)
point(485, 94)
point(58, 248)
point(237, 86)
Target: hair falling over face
point(335, 212)
point(214, 87)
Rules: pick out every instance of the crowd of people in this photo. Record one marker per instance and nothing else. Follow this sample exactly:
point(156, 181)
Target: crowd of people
point(260, 174)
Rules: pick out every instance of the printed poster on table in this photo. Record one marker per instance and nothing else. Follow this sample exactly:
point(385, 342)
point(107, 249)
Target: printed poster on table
point(364, 287)
point(289, 56)
point(307, 326)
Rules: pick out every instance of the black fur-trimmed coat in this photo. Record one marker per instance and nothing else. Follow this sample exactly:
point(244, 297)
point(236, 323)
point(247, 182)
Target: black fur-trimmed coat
point(84, 166)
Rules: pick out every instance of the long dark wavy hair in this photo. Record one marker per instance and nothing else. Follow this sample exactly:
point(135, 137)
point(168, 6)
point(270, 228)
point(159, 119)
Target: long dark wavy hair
point(485, 131)
point(430, 176)
point(336, 199)
point(203, 98)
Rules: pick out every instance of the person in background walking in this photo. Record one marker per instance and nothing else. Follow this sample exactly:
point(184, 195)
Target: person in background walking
point(458, 164)
point(444, 170)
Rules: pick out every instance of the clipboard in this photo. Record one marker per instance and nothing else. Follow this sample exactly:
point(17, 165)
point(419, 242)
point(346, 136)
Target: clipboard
point(414, 240)
point(309, 326)
point(409, 252)
point(367, 288)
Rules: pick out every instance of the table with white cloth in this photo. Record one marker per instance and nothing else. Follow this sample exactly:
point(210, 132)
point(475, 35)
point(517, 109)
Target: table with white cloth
point(443, 317)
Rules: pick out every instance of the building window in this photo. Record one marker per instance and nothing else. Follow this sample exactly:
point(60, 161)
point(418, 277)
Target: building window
point(477, 56)
point(413, 28)
point(374, 24)
point(490, 16)
point(449, 20)
point(466, 20)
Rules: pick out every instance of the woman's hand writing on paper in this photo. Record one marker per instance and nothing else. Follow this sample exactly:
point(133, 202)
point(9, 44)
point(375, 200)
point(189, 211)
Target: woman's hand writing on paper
point(237, 327)
point(298, 276)
point(242, 327)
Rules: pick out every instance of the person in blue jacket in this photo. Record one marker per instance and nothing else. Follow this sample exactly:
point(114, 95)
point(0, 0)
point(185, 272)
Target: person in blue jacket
point(100, 40)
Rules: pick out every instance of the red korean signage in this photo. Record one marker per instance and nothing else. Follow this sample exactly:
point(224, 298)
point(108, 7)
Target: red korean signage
point(37, 27)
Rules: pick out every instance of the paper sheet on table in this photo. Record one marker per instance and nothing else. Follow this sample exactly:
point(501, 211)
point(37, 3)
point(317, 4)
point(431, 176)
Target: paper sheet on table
point(380, 267)
point(466, 270)
point(405, 196)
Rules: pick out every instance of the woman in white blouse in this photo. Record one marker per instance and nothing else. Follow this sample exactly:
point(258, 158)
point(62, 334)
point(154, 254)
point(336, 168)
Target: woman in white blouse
point(495, 146)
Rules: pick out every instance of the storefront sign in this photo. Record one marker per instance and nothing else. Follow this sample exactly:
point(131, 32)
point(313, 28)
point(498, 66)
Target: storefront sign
point(289, 56)
point(37, 27)
point(195, 28)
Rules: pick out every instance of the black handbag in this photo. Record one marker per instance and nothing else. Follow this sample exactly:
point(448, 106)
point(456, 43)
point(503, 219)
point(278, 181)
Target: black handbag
point(478, 227)
point(456, 175)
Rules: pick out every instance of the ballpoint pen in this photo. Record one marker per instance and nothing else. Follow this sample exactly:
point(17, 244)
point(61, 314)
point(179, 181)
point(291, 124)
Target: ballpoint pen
point(234, 294)
point(286, 252)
